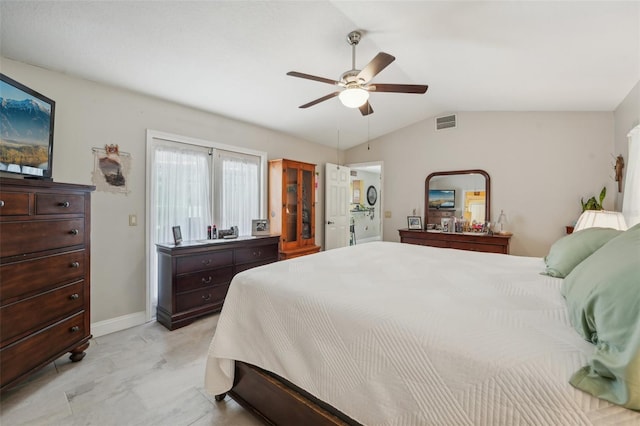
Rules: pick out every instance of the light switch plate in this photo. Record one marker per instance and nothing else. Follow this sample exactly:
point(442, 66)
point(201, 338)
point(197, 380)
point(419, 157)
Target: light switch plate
point(133, 220)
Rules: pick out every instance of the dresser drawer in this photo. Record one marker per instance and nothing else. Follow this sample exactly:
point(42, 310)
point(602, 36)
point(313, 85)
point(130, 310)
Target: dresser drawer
point(14, 203)
point(59, 203)
point(431, 243)
point(31, 276)
point(35, 236)
point(39, 348)
point(195, 299)
point(204, 279)
point(18, 318)
point(256, 254)
point(199, 262)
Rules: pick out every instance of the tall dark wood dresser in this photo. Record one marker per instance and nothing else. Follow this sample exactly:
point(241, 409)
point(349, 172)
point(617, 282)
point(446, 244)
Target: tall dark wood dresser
point(45, 245)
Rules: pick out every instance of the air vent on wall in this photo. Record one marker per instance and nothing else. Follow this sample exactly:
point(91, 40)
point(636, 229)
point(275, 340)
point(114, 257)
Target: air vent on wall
point(446, 122)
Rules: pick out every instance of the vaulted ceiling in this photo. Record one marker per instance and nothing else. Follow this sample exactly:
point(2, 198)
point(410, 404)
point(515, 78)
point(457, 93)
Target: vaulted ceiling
point(231, 57)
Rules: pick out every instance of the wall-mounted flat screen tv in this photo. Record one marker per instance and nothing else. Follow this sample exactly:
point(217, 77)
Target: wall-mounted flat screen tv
point(26, 130)
point(442, 198)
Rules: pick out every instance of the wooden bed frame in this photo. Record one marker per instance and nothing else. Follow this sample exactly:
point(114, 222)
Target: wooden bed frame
point(277, 401)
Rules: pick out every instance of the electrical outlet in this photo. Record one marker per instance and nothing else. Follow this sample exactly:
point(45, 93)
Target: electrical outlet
point(387, 214)
point(133, 220)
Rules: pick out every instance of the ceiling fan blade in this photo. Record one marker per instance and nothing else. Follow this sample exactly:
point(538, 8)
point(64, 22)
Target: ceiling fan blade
point(366, 109)
point(322, 99)
point(377, 64)
point(398, 88)
point(312, 77)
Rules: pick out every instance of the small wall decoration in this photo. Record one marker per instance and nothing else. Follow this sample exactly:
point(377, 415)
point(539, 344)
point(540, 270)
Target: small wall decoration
point(414, 222)
point(259, 227)
point(618, 168)
point(111, 169)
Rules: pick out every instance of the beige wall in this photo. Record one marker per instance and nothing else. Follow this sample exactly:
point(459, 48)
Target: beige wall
point(540, 164)
point(92, 115)
point(627, 116)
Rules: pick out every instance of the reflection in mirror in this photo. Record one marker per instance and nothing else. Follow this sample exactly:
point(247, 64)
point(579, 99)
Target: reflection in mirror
point(463, 194)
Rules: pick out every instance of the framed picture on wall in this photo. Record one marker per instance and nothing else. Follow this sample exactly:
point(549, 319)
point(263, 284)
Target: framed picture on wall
point(414, 222)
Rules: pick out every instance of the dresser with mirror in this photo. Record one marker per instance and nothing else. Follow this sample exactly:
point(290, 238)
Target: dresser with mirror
point(466, 196)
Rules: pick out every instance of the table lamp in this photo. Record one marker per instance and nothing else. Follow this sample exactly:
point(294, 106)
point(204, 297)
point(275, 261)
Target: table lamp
point(600, 219)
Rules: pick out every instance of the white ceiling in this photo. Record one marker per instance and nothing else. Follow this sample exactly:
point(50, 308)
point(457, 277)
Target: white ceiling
point(231, 57)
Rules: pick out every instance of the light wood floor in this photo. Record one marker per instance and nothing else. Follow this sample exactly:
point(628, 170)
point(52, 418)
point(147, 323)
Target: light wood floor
point(145, 375)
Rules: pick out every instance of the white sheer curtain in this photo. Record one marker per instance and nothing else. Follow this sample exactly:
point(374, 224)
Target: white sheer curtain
point(179, 195)
point(631, 200)
point(182, 192)
point(237, 179)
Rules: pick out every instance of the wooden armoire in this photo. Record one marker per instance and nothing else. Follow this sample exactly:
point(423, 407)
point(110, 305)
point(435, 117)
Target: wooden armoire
point(292, 206)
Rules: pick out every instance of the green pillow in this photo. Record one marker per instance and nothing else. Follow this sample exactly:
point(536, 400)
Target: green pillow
point(566, 253)
point(603, 297)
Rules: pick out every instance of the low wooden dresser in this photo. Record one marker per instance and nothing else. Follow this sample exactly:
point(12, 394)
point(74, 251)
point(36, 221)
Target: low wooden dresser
point(45, 244)
point(193, 277)
point(473, 242)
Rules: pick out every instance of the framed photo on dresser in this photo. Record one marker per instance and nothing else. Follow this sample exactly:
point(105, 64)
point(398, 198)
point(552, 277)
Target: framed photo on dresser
point(414, 222)
point(259, 227)
point(177, 235)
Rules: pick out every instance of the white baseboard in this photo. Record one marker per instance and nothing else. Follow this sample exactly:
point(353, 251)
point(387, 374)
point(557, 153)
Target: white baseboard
point(112, 325)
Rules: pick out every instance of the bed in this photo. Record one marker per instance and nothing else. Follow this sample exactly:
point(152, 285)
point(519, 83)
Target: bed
point(397, 334)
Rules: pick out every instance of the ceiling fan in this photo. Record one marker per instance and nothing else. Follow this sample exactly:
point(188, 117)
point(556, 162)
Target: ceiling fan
point(356, 84)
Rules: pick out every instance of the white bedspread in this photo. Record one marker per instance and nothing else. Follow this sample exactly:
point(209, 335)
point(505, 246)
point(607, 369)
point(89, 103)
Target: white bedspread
point(399, 334)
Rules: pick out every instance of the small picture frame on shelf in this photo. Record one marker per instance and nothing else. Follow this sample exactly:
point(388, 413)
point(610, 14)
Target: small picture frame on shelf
point(414, 222)
point(177, 235)
point(259, 227)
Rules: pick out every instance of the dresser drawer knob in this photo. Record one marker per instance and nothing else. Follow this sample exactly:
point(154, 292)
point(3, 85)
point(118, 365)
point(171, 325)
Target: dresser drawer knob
point(257, 253)
point(1, 203)
point(74, 232)
point(64, 204)
point(74, 329)
point(206, 262)
point(206, 298)
point(75, 264)
point(74, 296)
point(207, 281)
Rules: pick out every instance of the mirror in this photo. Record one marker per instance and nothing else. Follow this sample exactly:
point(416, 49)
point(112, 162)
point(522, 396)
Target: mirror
point(460, 193)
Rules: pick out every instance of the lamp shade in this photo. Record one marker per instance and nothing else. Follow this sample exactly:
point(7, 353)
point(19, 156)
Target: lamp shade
point(600, 219)
point(353, 97)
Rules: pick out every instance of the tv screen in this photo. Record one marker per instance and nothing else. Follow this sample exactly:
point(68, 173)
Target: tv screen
point(442, 198)
point(26, 130)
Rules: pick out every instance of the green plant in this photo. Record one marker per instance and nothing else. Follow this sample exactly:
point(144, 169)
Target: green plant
point(592, 203)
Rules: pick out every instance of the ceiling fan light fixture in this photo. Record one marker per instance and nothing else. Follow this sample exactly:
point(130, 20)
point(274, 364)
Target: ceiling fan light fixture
point(353, 97)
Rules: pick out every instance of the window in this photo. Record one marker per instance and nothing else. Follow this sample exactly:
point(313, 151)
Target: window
point(193, 184)
point(631, 200)
point(181, 191)
point(237, 190)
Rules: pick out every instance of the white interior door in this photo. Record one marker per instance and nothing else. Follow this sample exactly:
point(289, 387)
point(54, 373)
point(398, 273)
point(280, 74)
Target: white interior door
point(336, 226)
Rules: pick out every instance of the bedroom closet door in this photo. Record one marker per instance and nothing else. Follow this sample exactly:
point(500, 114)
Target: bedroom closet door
point(336, 226)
